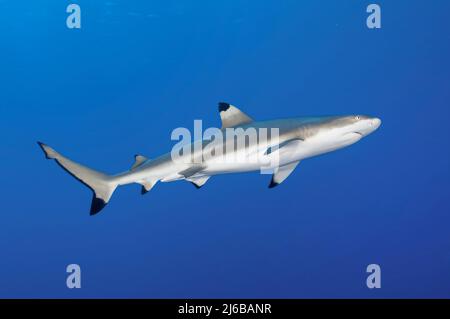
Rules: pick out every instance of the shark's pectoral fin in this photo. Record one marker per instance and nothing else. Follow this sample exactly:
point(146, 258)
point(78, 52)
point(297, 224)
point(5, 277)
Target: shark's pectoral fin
point(138, 161)
point(232, 116)
point(198, 181)
point(281, 173)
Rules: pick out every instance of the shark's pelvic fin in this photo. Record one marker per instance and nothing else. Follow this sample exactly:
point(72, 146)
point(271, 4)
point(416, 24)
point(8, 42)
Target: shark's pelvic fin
point(281, 173)
point(198, 181)
point(138, 161)
point(232, 116)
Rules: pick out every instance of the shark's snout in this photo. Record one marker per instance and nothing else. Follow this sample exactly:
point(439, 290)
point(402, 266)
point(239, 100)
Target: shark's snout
point(370, 125)
point(375, 123)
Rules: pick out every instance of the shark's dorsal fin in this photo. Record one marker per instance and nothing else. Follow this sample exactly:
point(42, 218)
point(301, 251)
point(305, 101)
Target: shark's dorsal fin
point(138, 161)
point(281, 173)
point(232, 116)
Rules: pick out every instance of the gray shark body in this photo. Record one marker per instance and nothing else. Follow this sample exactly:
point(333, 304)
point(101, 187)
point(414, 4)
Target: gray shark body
point(297, 139)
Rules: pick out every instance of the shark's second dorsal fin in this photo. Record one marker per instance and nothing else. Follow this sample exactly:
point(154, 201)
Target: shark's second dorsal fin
point(232, 116)
point(138, 161)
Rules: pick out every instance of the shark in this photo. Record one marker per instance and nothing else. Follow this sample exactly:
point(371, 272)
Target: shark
point(297, 139)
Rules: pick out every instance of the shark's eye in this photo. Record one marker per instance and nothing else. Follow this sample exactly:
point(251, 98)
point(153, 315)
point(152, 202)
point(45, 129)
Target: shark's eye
point(357, 117)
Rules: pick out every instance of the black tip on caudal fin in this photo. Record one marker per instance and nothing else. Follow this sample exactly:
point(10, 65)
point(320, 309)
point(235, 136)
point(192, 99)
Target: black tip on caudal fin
point(48, 151)
point(41, 145)
point(97, 205)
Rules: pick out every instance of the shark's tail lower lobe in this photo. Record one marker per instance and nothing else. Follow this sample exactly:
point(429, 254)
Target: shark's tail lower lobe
point(102, 185)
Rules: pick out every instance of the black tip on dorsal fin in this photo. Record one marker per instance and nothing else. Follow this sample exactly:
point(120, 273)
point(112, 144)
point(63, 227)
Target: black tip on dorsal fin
point(138, 161)
point(143, 190)
point(97, 205)
point(223, 106)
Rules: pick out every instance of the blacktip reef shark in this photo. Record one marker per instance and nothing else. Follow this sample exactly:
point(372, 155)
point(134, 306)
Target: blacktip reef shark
point(298, 139)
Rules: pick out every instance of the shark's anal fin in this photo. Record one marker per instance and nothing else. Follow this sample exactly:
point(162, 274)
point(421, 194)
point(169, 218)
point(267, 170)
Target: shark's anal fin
point(198, 181)
point(232, 116)
point(147, 186)
point(138, 161)
point(281, 173)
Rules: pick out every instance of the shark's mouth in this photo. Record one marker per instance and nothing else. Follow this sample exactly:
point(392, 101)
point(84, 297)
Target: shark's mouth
point(356, 136)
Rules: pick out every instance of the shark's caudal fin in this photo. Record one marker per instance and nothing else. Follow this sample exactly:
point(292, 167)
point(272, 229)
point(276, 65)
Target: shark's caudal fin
point(102, 185)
